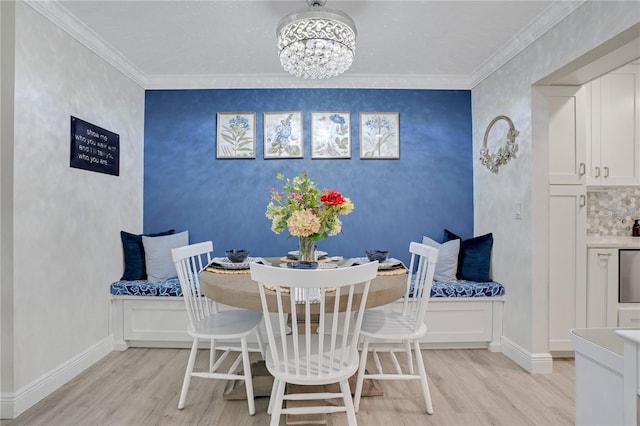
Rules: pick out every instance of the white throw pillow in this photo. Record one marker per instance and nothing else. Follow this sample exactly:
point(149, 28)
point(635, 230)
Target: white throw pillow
point(157, 255)
point(447, 265)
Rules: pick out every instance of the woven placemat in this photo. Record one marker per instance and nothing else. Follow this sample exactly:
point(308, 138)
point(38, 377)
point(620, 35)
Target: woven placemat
point(273, 288)
point(287, 290)
point(287, 259)
point(396, 271)
point(228, 271)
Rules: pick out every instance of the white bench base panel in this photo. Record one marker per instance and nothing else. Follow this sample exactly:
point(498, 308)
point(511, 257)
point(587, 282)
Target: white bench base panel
point(453, 322)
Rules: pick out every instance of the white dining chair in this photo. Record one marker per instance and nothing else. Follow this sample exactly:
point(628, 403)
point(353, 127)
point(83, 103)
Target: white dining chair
point(401, 329)
point(325, 351)
point(207, 322)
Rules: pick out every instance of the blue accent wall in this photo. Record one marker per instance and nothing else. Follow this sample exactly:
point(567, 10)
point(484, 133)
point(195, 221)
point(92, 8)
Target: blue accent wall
point(396, 201)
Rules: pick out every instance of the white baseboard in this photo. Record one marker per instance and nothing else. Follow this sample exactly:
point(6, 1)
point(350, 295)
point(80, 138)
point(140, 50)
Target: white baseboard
point(14, 404)
point(540, 363)
point(6, 405)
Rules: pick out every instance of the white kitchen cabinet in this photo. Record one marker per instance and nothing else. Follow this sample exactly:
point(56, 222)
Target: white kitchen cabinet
point(599, 377)
point(567, 106)
point(602, 287)
point(629, 315)
point(614, 149)
point(567, 263)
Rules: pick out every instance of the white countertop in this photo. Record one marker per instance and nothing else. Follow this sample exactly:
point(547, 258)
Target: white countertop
point(603, 337)
point(632, 335)
point(613, 242)
point(599, 376)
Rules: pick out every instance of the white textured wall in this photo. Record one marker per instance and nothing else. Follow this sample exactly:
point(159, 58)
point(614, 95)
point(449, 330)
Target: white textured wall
point(508, 91)
point(67, 221)
point(7, 14)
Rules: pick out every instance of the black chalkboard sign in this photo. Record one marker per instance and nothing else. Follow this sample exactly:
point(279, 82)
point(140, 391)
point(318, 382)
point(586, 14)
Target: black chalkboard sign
point(94, 148)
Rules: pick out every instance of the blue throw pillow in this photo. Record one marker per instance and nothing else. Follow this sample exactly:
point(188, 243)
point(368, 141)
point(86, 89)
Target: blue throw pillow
point(133, 252)
point(474, 260)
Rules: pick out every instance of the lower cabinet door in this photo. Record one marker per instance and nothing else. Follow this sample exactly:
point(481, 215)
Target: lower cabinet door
point(602, 292)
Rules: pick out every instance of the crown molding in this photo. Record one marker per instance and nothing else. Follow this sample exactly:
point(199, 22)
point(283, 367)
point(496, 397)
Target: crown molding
point(58, 15)
point(284, 80)
point(547, 19)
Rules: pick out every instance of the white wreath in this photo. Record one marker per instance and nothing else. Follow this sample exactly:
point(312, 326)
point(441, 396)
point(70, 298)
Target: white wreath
point(504, 153)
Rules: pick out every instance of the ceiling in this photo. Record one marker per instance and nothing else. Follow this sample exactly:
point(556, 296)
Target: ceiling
point(182, 44)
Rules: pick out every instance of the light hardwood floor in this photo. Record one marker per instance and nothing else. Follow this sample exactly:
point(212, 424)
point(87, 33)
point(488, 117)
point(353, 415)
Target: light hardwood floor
point(468, 387)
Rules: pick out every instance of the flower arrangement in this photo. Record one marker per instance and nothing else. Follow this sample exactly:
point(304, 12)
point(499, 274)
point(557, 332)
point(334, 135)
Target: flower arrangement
point(306, 212)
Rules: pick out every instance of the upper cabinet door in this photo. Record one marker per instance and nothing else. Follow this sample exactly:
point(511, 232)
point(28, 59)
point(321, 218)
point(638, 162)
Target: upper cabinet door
point(615, 143)
point(567, 134)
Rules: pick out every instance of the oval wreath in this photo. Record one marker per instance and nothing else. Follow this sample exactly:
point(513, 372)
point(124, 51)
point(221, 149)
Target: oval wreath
point(505, 152)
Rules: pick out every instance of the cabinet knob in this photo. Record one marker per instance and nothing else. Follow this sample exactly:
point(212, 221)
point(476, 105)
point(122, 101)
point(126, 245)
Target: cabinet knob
point(604, 254)
point(582, 169)
point(583, 201)
point(606, 172)
point(597, 172)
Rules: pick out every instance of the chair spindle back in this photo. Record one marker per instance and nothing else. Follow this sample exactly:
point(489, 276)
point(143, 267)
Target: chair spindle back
point(416, 299)
point(326, 343)
point(189, 261)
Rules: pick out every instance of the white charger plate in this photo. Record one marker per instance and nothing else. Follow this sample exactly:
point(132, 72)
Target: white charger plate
point(296, 253)
point(321, 265)
point(390, 263)
point(225, 263)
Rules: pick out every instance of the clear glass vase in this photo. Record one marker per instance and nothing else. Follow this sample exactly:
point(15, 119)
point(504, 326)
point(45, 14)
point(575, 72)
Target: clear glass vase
point(306, 248)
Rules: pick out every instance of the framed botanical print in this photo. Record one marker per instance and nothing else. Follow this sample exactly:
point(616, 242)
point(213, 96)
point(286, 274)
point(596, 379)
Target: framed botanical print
point(330, 135)
point(379, 135)
point(236, 135)
point(283, 135)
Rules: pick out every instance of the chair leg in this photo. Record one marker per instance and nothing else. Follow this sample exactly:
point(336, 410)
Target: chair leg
point(360, 378)
point(212, 355)
point(407, 350)
point(272, 397)
point(187, 373)
point(248, 381)
point(260, 342)
point(277, 405)
point(423, 377)
point(348, 402)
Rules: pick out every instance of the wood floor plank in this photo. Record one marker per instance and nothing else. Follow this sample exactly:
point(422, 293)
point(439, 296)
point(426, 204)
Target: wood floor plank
point(141, 386)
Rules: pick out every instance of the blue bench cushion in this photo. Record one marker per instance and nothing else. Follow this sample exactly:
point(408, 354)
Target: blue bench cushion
point(170, 287)
point(464, 288)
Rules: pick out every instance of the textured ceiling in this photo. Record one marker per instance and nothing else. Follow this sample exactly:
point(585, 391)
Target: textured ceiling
point(215, 40)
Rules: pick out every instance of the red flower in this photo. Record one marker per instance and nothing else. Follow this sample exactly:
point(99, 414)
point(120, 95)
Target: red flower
point(332, 198)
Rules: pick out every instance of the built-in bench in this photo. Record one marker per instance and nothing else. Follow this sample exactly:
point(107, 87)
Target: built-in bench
point(465, 314)
point(461, 314)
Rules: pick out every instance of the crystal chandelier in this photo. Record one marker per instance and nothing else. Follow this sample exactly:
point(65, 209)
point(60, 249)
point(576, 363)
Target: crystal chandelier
point(316, 42)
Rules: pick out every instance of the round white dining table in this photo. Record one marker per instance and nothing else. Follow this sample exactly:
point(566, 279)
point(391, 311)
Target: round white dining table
point(236, 288)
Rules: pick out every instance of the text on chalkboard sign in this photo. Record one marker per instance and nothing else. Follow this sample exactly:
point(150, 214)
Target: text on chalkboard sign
point(94, 148)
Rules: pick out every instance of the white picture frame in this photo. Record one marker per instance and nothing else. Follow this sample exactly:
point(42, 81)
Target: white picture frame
point(236, 135)
point(330, 135)
point(379, 135)
point(283, 137)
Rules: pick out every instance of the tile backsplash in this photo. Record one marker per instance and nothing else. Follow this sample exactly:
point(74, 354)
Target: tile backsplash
point(611, 211)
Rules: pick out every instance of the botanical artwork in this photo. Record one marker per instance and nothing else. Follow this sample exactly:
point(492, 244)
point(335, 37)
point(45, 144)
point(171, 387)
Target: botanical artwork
point(283, 135)
point(330, 135)
point(379, 135)
point(236, 136)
